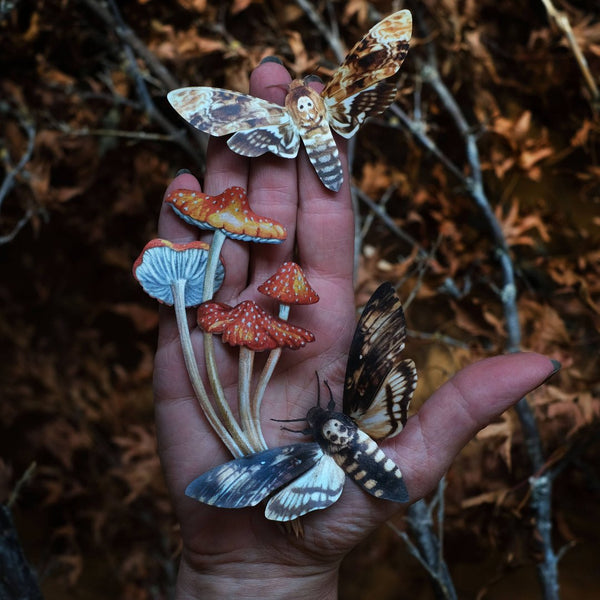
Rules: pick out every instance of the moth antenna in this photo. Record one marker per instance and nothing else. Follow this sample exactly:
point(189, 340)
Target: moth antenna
point(302, 431)
point(318, 390)
point(288, 420)
point(331, 404)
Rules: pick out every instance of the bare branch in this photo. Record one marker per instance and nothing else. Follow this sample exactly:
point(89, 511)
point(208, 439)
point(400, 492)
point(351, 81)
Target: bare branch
point(331, 35)
point(562, 22)
point(130, 44)
point(13, 171)
point(380, 212)
point(427, 548)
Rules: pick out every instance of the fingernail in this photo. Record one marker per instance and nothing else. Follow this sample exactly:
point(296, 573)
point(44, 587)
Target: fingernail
point(273, 59)
point(312, 78)
point(557, 367)
point(183, 172)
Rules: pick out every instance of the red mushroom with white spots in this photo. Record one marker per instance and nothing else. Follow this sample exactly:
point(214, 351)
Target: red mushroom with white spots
point(253, 330)
point(228, 215)
point(289, 286)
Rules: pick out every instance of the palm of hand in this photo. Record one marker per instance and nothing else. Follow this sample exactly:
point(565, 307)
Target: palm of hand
point(320, 227)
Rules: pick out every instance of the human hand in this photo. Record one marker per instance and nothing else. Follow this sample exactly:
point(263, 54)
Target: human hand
point(227, 552)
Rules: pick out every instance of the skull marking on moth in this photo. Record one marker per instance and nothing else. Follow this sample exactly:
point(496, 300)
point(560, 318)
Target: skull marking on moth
point(336, 432)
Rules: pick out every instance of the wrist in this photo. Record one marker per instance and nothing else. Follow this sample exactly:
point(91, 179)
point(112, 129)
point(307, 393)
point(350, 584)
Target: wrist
point(268, 581)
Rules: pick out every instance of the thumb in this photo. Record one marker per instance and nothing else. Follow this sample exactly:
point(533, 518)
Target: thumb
point(465, 404)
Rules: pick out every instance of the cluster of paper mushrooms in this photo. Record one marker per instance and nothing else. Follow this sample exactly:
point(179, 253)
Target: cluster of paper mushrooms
point(188, 275)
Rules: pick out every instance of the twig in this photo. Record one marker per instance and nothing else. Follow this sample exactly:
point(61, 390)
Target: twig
point(427, 548)
point(9, 237)
point(541, 500)
point(437, 337)
point(380, 212)
point(128, 36)
point(130, 44)
point(12, 172)
point(11, 176)
point(119, 133)
point(562, 22)
point(328, 33)
point(371, 217)
point(25, 478)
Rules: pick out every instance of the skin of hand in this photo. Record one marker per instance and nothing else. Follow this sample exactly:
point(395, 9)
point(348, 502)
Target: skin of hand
point(227, 552)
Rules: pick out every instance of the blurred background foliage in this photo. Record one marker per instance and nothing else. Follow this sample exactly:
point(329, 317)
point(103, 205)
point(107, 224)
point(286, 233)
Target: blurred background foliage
point(88, 145)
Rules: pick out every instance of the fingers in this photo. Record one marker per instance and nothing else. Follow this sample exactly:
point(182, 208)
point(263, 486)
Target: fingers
point(175, 229)
point(469, 401)
point(325, 223)
point(273, 181)
point(170, 226)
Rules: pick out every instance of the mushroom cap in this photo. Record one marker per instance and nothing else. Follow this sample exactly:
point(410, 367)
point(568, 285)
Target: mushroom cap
point(289, 286)
point(161, 263)
point(247, 324)
point(228, 212)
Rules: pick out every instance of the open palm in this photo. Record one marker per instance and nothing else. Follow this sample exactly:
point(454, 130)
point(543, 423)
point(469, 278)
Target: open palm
point(235, 551)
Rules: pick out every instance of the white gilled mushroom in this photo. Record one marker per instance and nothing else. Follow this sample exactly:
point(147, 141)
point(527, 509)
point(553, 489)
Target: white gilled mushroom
point(174, 275)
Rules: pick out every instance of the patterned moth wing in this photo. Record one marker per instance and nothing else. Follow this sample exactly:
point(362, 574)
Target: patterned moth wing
point(248, 480)
point(378, 385)
point(317, 481)
point(258, 126)
point(316, 489)
point(364, 85)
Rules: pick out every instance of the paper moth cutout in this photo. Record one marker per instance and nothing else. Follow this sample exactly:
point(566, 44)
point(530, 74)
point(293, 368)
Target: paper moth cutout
point(303, 477)
point(363, 86)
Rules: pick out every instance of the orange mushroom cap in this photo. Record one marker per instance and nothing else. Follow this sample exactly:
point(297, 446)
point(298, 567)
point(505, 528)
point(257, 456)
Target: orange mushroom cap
point(289, 286)
point(247, 324)
point(228, 212)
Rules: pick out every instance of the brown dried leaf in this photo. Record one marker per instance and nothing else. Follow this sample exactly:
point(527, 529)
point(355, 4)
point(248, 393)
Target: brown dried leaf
point(198, 6)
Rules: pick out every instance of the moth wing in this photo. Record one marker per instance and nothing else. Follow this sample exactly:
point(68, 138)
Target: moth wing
point(247, 480)
point(377, 382)
point(376, 57)
point(365, 83)
point(366, 463)
point(316, 489)
point(347, 116)
point(282, 140)
point(388, 412)
point(262, 125)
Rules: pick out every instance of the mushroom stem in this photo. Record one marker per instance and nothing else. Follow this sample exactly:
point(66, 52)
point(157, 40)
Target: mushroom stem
point(284, 311)
point(249, 424)
point(265, 376)
point(178, 288)
point(209, 348)
point(211, 265)
point(261, 386)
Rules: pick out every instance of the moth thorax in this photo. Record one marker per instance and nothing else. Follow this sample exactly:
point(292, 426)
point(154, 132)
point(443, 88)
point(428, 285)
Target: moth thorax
point(305, 105)
point(336, 432)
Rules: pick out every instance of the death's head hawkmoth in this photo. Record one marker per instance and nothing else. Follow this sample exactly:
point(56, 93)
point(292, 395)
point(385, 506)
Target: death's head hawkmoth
point(363, 86)
point(303, 477)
